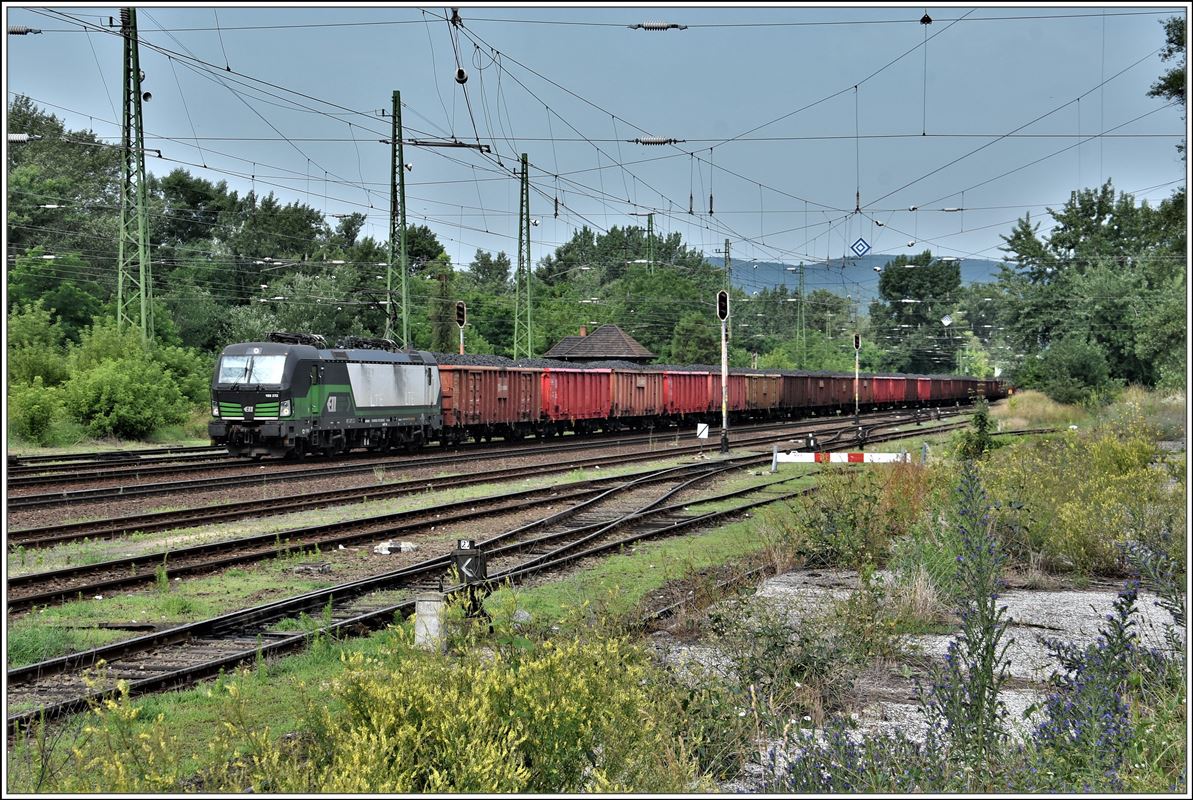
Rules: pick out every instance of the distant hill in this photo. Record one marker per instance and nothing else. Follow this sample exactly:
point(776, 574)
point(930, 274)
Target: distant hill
point(854, 276)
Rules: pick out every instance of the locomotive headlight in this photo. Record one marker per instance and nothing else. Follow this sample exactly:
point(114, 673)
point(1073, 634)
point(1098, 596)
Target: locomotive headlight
point(285, 409)
point(215, 409)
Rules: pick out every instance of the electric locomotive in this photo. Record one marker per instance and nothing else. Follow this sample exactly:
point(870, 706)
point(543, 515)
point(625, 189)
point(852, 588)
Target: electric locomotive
point(293, 395)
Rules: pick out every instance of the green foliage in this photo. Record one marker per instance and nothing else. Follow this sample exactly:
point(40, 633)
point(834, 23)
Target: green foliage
point(972, 444)
point(441, 309)
point(57, 284)
point(916, 339)
point(1103, 287)
point(35, 411)
point(1074, 500)
point(35, 346)
point(1070, 371)
point(855, 515)
point(783, 668)
point(964, 708)
point(128, 398)
point(189, 370)
point(560, 717)
point(490, 273)
point(697, 340)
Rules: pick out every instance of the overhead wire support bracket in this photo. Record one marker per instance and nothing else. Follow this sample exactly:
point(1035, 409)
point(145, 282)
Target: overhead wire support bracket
point(484, 148)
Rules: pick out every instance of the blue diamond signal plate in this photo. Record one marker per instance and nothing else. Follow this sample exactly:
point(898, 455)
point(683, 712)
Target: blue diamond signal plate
point(860, 247)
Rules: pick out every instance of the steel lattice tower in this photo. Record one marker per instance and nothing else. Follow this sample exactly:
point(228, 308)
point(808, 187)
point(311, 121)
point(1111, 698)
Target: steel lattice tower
point(134, 277)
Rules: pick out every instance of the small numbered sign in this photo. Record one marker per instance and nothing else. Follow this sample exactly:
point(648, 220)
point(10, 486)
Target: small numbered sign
point(702, 430)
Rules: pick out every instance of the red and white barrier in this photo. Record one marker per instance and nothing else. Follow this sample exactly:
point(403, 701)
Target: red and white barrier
point(790, 457)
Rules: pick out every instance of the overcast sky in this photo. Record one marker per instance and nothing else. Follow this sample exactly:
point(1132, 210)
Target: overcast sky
point(789, 116)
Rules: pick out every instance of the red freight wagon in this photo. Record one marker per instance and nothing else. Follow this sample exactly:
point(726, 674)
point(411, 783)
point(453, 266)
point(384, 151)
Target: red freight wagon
point(637, 394)
point(865, 390)
point(737, 392)
point(762, 392)
point(821, 387)
point(686, 393)
point(797, 393)
point(841, 391)
point(575, 394)
point(488, 395)
point(887, 389)
point(923, 390)
point(909, 390)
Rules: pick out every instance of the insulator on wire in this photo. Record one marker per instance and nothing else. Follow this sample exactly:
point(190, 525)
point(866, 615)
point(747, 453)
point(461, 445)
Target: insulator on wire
point(657, 26)
point(691, 206)
point(557, 207)
point(710, 204)
point(21, 30)
point(654, 140)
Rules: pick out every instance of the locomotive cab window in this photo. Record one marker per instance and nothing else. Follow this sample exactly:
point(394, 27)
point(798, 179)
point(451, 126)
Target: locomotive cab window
point(255, 369)
point(428, 376)
point(314, 376)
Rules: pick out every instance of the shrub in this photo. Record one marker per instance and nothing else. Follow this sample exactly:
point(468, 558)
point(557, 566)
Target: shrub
point(34, 411)
point(190, 371)
point(1076, 498)
point(1071, 370)
point(106, 341)
point(127, 398)
point(855, 515)
point(966, 717)
point(553, 718)
point(35, 347)
point(973, 444)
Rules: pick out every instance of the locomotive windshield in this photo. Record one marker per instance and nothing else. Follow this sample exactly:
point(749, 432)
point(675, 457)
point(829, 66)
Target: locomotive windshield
point(251, 369)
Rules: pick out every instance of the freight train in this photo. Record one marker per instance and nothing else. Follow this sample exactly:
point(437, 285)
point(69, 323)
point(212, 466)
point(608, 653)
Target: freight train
point(294, 395)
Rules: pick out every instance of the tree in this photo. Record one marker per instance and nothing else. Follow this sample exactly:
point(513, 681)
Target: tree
point(422, 249)
point(442, 308)
point(35, 346)
point(915, 295)
point(61, 283)
point(63, 189)
point(697, 340)
point(1106, 275)
point(1171, 84)
point(1070, 370)
point(491, 273)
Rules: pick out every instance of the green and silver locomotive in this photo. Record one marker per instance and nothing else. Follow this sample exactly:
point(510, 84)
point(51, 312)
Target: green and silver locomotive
point(294, 395)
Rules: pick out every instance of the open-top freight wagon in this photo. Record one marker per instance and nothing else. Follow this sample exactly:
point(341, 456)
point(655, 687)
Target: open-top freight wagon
point(294, 395)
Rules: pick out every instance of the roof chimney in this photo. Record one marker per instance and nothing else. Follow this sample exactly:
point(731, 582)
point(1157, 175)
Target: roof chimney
point(583, 330)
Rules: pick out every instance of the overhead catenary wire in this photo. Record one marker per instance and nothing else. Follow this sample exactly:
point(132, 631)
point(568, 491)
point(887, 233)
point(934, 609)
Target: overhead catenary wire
point(721, 212)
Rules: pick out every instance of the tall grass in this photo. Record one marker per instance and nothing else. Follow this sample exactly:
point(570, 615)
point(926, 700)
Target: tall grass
point(1032, 409)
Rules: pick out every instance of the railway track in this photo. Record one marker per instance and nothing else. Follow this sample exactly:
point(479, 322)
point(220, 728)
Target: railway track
point(109, 494)
point(185, 654)
point(439, 456)
point(109, 456)
point(50, 535)
point(58, 586)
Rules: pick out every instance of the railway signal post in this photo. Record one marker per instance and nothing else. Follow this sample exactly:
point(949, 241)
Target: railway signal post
point(461, 321)
point(857, 349)
point(723, 315)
